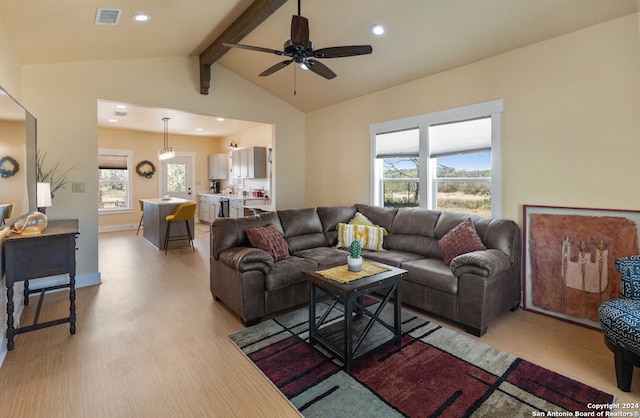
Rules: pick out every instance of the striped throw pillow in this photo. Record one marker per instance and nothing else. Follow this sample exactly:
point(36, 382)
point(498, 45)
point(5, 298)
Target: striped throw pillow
point(371, 241)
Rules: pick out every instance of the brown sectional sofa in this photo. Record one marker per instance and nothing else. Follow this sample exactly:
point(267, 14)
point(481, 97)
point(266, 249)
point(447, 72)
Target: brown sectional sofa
point(473, 290)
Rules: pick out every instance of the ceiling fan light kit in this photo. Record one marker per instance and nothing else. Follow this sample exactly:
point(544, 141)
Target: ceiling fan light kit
point(299, 49)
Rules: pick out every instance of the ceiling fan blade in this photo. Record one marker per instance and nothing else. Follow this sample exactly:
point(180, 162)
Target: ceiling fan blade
point(254, 48)
point(320, 69)
point(343, 51)
point(274, 68)
point(300, 31)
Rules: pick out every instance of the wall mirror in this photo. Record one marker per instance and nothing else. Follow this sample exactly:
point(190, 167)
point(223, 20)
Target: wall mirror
point(18, 149)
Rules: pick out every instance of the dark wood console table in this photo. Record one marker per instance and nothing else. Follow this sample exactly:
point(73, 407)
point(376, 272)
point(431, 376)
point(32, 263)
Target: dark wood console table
point(27, 257)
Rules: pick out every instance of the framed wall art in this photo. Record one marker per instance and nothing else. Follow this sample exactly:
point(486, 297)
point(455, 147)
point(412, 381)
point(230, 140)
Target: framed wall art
point(569, 256)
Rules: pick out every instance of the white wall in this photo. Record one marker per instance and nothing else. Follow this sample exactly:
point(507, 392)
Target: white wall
point(570, 127)
point(63, 98)
point(10, 70)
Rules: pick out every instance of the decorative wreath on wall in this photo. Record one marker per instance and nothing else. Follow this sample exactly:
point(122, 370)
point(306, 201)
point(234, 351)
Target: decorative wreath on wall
point(147, 172)
point(8, 167)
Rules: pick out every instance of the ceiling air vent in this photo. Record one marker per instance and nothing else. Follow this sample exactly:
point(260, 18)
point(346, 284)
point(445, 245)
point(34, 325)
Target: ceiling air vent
point(108, 16)
point(121, 114)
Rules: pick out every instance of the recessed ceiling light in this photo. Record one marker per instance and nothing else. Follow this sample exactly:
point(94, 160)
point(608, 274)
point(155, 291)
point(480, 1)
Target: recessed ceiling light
point(141, 17)
point(113, 120)
point(378, 29)
point(199, 129)
point(220, 119)
point(121, 106)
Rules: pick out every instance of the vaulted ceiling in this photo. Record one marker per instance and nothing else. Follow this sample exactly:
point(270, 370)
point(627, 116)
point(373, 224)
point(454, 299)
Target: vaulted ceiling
point(424, 36)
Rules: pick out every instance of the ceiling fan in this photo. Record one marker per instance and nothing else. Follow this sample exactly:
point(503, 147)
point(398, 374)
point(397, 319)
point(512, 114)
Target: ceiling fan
point(300, 50)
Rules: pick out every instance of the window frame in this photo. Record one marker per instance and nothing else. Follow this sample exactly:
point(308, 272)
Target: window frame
point(129, 194)
point(427, 167)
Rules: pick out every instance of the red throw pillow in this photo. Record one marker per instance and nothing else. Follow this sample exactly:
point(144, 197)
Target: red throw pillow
point(268, 238)
point(462, 239)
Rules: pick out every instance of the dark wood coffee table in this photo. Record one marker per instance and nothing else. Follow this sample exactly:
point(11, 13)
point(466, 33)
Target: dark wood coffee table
point(359, 331)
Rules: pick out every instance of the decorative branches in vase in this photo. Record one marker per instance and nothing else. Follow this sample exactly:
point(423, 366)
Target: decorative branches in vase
point(54, 175)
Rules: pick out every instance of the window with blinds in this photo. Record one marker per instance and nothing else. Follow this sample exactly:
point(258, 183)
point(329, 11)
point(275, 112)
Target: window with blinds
point(446, 160)
point(114, 177)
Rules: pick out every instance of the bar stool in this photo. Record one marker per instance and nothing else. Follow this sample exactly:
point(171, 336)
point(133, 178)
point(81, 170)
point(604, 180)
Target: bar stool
point(183, 212)
point(141, 204)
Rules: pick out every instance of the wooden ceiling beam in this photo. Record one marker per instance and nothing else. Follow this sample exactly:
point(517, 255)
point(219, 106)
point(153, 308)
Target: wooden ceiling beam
point(255, 14)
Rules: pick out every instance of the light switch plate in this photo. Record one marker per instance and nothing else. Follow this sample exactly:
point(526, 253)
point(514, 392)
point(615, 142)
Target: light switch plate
point(77, 187)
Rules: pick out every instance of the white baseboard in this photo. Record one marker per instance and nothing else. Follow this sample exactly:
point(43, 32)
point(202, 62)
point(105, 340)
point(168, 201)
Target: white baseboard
point(129, 227)
point(124, 227)
point(82, 280)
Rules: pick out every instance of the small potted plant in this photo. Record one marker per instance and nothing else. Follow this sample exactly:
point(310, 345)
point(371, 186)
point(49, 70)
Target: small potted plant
point(354, 260)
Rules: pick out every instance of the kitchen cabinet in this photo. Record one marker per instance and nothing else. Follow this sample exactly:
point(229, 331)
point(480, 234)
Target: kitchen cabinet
point(236, 206)
point(218, 166)
point(250, 163)
point(208, 208)
point(203, 208)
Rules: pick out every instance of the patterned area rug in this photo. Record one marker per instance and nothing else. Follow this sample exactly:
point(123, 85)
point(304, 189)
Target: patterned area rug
point(435, 372)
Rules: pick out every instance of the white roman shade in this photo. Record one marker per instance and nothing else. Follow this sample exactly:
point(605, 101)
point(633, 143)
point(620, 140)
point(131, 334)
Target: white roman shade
point(112, 162)
point(444, 140)
point(460, 137)
point(398, 144)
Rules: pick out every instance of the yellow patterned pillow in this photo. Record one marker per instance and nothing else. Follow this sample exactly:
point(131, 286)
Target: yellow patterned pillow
point(360, 219)
point(371, 241)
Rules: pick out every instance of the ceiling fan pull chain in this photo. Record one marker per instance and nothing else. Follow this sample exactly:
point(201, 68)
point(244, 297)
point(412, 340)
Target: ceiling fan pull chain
point(295, 72)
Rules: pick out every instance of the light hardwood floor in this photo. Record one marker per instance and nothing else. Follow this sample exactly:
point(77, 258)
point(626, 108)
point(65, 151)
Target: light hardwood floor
point(152, 342)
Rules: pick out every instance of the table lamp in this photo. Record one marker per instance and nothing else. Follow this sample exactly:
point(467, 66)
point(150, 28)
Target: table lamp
point(43, 196)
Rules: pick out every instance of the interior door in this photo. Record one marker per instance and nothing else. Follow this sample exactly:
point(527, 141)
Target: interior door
point(177, 177)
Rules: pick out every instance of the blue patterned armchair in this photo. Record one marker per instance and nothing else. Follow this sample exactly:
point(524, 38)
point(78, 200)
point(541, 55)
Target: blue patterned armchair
point(620, 321)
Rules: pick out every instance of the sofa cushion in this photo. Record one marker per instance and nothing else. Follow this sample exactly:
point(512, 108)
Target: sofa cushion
point(287, 272)
point(461, 239)
point(390, 257)
point(433, 273)
point(378, 215)
point(449, 220)
point(302, 229)
point(324, 255)
point(331, 216)
point(413, 231)
point(230, 232)
point(269, 239)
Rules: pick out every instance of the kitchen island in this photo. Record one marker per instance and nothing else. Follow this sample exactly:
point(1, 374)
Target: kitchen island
point(155, 212)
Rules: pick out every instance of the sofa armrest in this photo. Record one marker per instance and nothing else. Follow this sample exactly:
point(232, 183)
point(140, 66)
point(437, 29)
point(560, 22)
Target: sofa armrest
point(247, 259)
point(483, 263)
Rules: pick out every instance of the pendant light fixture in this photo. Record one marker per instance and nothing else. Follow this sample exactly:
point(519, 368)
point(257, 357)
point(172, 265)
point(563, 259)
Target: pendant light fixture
point(167, 152)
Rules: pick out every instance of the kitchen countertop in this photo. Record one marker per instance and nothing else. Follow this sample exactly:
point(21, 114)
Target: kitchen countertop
point(232, 196)
point(267, 207)
point(166, 201)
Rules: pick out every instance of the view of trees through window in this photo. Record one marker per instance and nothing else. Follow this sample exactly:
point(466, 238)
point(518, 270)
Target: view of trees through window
point(463, 185)
point(462, 182)
point(113, 188)
point(176, 177)
point(400, 182)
